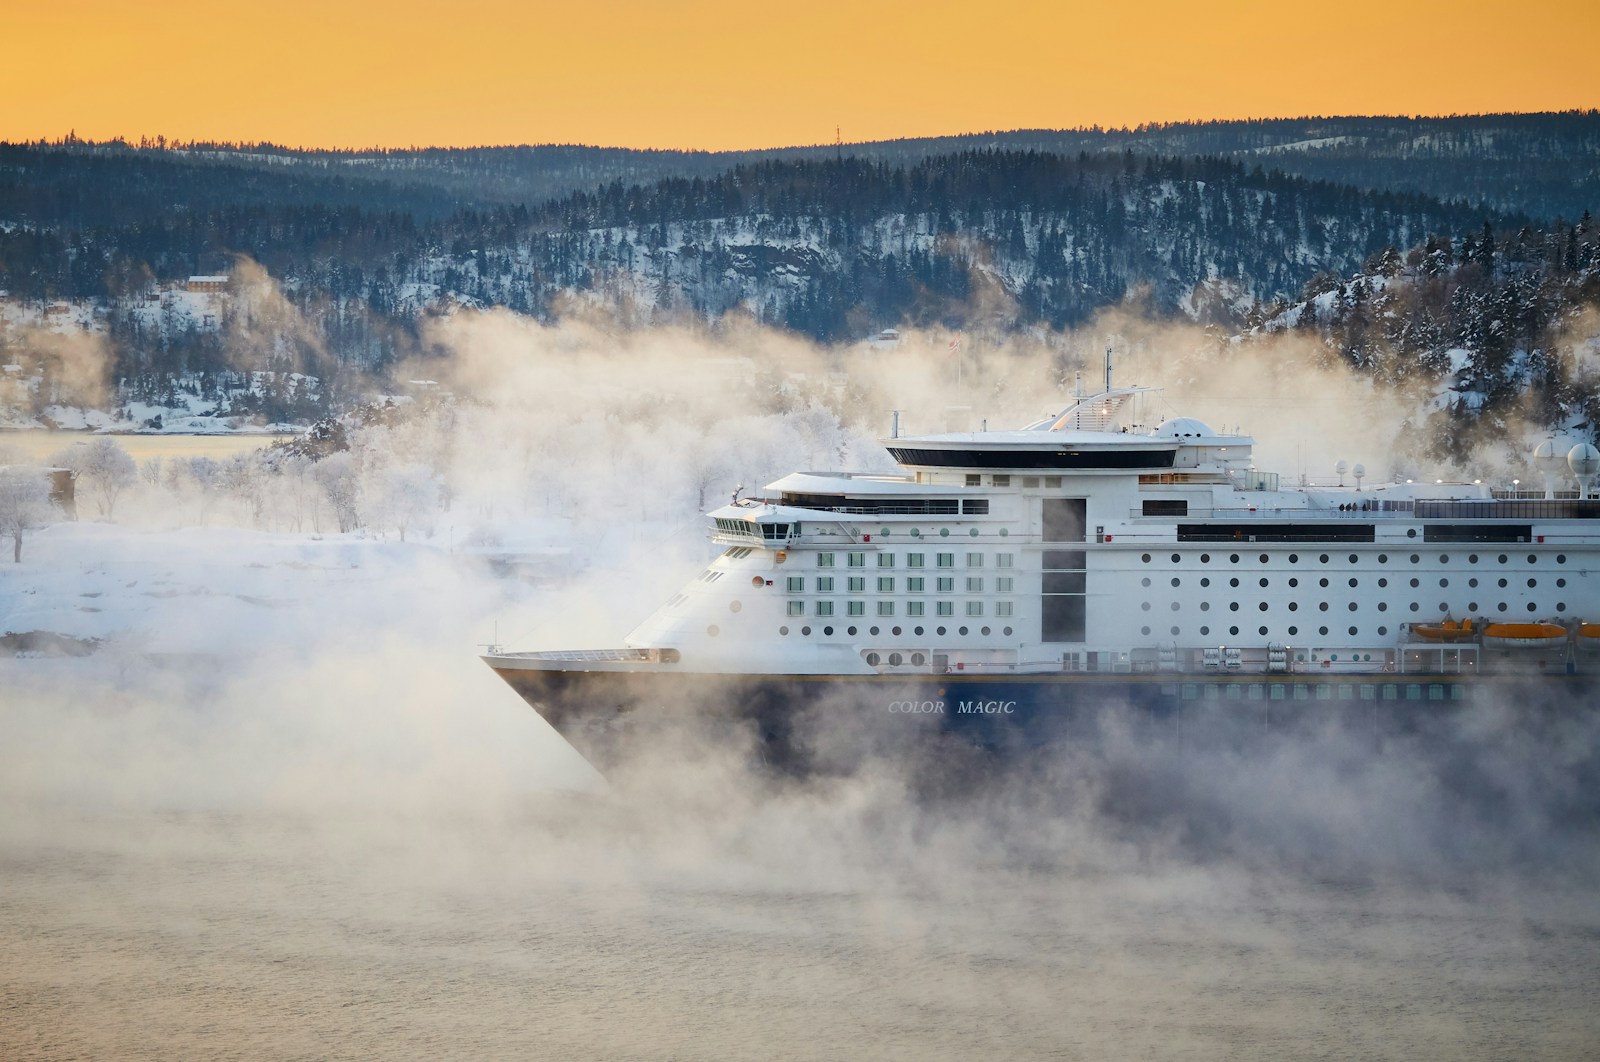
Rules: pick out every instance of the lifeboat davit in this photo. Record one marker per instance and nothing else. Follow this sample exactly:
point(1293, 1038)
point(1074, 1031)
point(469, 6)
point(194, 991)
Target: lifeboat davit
point(1523, 635)
point(1448, 631)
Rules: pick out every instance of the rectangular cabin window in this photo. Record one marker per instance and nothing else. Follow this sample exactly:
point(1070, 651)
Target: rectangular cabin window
point(1477, 532)
point(975, 507)
point(1030, 481)
point(974, 608)
point(947, 560)
point(974, 480)
point(1064, 560)
point(945, 608)
point(946, 585)
point(1052, 482)
point(1002, 481)
point(1003, 585)
point(913, 560)
point(824, 584)
point(858, 584)
point(974, 560)
point(1003, 560)
point(1062, 597)
point(914, 608)
point(1064, 519)
point(856, 560)
point(1002, 609)
point(914, 584)
point(796, 584)
point(1271, 532)
point(974, 584)
point(797, 608)
point(886, 584)
point(825, 560)
point(1166, 507)
point(1062, 618)
point(824, 608)
point(885, 608)
point(886, 560)
point(855, 608)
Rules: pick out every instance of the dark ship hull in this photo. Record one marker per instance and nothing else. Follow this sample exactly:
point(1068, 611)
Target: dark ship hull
point(824, 723)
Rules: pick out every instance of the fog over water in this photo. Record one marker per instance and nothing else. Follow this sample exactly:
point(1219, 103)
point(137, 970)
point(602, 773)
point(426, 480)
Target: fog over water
point(289, 814)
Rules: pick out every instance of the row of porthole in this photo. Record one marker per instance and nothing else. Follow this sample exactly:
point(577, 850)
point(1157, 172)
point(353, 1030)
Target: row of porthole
point(827, 632)
point(1263, 631)
point(1354, 606)
point(1355, 558)
point(1293, 582)
point(944, 532)
point(895, 659)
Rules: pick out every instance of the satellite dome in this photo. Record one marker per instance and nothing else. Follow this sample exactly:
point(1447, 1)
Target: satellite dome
point(1584, 460)
point(1548, 458)
point(1184, 428)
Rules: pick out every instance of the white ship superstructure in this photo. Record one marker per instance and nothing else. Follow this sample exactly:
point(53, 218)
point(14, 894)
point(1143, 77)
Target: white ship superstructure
point(1090, 545)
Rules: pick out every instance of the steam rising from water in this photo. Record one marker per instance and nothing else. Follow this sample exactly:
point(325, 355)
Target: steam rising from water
point(293, 815)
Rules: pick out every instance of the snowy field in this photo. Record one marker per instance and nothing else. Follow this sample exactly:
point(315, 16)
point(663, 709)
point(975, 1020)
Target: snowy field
point(250, 643)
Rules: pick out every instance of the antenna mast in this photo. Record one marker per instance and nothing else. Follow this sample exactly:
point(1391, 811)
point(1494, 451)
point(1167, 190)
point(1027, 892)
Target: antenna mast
point(1108, 368)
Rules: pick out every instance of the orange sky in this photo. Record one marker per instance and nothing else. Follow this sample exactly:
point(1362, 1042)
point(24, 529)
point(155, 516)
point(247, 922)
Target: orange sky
point(719, 74)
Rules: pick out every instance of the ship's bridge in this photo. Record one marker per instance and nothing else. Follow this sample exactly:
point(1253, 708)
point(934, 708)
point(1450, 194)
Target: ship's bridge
point(1095, 434)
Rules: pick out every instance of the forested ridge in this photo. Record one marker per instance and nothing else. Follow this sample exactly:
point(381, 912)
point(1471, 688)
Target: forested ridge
point(991, 233)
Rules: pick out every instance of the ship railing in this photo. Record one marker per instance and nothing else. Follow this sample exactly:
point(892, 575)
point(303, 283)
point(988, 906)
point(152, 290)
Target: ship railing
point(1027, 667)
point(620, 656)
point(1254, 512)
point(1438, 658)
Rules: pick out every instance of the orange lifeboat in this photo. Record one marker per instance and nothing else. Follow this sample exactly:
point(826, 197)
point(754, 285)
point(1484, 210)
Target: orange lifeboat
point(1523, 635)
point(1589, 636)
point(1448, 631)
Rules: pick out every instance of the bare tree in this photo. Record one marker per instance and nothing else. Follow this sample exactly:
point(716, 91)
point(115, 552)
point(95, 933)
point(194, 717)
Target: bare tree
point(24, 504)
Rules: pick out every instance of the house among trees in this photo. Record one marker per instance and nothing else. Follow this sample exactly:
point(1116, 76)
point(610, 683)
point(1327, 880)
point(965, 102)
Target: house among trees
point(888, 339)
point(207, 283)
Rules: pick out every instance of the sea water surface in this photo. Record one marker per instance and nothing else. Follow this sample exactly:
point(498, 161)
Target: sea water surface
point(681, 920)
point(39, 445)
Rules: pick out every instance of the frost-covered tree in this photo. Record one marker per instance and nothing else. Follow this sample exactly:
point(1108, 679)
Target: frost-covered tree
point(24, 505)
point(244, 477)
point(205, 473)
point(103, 467)
point(406, 495)
point(339, 476)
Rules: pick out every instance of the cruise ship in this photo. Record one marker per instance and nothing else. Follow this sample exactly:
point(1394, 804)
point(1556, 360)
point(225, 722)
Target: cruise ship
point(1001, 583)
